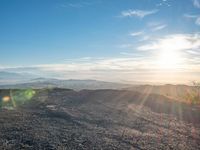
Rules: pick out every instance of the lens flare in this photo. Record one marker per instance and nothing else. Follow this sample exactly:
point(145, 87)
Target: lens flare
point(6, 99)
point(16, 98)
point(22, 96)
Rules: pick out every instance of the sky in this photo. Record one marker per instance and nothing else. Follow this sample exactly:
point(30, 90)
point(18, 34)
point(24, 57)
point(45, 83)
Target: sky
point(111, 40)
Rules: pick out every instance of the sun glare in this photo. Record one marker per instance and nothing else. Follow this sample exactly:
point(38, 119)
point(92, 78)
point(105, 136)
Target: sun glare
point(170, 56)
point(168, 59)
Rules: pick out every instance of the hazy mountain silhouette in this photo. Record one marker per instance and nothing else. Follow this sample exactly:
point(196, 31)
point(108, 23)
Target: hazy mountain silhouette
point(39, 83)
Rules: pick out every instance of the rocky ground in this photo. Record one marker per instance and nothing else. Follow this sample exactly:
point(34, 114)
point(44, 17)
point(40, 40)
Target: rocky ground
point(101, 119)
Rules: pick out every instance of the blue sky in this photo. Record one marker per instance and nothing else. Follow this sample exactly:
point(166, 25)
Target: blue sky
point(89, 38)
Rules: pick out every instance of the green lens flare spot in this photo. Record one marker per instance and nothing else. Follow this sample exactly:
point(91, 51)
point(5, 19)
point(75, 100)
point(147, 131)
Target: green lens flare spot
point(17, 97)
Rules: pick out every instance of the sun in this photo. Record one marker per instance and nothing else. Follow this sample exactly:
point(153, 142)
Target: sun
point(168, 59)
point(170, 53)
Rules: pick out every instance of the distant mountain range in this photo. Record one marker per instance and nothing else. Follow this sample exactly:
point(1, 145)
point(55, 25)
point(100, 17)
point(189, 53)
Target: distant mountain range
point(13, 78)
point(39, 83)
point(10, 80)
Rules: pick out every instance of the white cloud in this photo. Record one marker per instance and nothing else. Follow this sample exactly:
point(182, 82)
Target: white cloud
point(132, 66)
point(197, 21)
point(174, 42)
point(196, 3)
point(163, 3)
point(78, 4)
point(193, 52)
point(195, 17)
point(155, 26)
point(138, 13)
point(144, 38)
point(140, 35)
point(130, 54)
point(137, 33)
point(139, 65)
point(189, 16)
point(125, 45)
point(177, 51)
point(159, 27)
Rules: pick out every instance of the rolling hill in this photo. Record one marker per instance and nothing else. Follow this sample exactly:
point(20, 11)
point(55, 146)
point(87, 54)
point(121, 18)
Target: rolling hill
point(98, 119)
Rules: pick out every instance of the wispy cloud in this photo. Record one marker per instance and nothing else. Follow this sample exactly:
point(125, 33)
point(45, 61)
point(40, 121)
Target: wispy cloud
point(138, 13)
point(196, 3)
point(144, 38)
point(159, 27)
point(131, 54)
point(197, 21)
point(193, 17)
point(136, 33)
point(156, 26)
point(125, 45)
point(140, 35)
point(189, 16)
point(183, 50)
point(163, 3)
point(133, 66)
point(174, 42)
point(78, 4)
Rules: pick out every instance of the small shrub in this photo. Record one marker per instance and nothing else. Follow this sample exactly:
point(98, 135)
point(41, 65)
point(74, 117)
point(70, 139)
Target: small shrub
point(193, 97)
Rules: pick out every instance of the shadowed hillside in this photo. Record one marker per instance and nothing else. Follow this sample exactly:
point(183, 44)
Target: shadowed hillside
point(97, 119)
